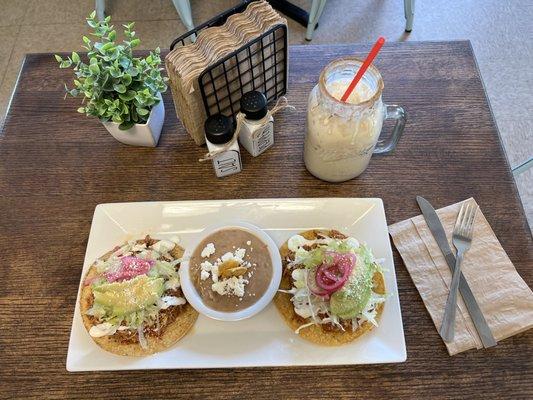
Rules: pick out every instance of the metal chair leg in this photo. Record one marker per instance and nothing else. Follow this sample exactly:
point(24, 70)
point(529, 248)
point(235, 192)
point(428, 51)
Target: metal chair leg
point(183, 7)
point(409, 9)
point(317, 7)
point(100, 9)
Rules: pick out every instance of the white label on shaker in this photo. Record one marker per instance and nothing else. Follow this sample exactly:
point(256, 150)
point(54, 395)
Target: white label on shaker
point(227, 163)
point(265, 139)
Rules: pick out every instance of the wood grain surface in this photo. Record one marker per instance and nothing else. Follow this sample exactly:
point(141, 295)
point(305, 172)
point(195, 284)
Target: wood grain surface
point(57, 165)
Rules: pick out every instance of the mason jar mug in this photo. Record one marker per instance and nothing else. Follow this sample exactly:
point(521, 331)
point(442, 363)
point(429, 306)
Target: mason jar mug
point(342, 136)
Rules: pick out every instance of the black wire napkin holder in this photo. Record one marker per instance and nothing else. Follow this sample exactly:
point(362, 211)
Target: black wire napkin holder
point(260, 64)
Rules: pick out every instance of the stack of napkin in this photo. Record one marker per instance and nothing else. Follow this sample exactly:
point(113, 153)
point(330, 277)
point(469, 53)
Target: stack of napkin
point(185, 63)
point(504, 298)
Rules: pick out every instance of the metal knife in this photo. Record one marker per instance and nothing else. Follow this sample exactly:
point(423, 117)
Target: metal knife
point(439, 234)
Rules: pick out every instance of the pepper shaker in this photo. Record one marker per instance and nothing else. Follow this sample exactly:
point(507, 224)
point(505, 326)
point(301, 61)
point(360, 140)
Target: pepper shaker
point(218, 135)
point(257, 131)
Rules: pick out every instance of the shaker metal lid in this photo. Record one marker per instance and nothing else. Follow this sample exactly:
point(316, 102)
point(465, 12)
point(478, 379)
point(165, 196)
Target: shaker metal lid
point(254, 105)
point(218, 129)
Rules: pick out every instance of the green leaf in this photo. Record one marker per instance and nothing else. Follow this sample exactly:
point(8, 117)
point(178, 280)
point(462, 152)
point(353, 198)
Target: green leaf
point(58, 58)
point(75, 57)
point(135, 42)
point(115, 72)
point(86, 40)
point(81, 110)
point(124, 62)
point(126, 125)
point(128, 96)
point(133, 71)
point(117, 118)
point(107, 46)
point(126, 79)
point(112, 54)
point(112, 35)
point(142, 111)
point(94, 68)
point(120, 88)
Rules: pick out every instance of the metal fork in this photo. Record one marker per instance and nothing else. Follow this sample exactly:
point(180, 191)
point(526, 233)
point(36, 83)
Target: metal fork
point(462, 238)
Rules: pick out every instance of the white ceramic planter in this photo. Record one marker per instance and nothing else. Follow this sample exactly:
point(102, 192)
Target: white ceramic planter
point(141, 134)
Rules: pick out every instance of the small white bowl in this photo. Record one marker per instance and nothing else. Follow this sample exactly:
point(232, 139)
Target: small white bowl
point(194, 298)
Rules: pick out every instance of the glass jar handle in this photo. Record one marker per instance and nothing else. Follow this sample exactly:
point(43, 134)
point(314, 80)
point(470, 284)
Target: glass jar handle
point(386, 146)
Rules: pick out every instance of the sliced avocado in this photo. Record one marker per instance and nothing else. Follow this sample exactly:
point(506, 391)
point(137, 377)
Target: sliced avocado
point(350, 301)
point(122, 298)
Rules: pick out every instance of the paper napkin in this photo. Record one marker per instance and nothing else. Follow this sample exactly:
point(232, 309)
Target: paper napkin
point(504, 298)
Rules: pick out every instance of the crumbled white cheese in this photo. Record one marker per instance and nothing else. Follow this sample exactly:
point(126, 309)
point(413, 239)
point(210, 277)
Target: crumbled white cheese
point(231, 286)
point(227, 256)
point(208, 250)
point(237, 256)
point(207, 267)
point(240, 253)
point(249, 243)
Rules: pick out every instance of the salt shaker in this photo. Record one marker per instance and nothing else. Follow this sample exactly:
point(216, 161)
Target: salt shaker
point(218, 134)
point(257, 131)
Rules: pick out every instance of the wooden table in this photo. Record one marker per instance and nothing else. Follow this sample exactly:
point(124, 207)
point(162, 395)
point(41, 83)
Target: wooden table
point(56, 166)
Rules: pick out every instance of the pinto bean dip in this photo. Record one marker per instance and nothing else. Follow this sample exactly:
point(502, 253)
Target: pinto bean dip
point(231, 269)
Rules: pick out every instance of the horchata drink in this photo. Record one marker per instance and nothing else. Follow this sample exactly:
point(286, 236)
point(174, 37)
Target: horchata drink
point(342, 136)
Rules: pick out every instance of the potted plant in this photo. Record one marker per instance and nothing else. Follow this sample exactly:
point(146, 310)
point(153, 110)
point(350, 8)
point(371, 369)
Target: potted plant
point(123, 91)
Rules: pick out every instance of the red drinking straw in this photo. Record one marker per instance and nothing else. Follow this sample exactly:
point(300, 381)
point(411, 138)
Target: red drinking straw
point(373, 53)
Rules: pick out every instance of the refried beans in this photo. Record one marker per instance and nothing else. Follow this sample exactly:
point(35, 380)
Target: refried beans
point(256, 277)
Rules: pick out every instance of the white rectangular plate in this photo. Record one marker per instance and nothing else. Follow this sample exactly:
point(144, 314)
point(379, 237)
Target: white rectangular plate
point(265, 339)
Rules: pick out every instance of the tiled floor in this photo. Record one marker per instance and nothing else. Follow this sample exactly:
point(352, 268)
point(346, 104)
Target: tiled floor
point(500, 31)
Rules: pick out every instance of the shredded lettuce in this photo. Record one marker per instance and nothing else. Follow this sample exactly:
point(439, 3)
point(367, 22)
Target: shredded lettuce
point(313, 258)
point(163, 268)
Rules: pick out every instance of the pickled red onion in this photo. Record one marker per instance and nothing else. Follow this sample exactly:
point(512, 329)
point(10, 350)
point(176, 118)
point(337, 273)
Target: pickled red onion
point(312, 284)
point(130, 267)
point(331, 276)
